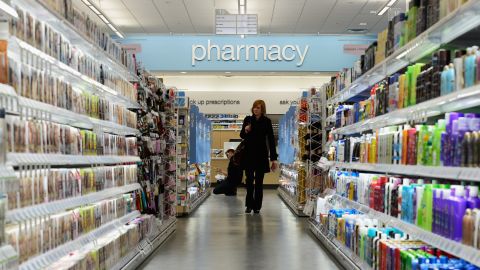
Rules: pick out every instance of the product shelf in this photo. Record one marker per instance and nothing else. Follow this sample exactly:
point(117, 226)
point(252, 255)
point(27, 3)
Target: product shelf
point(6, 9)
point(64, 116)
point(147, 246)
point(44, 260)
point(77, 79)
point(17, 159)
point(460, 100)
point(296, 208)
point(199, 200)
point(69, 31)
point(450, 173)
point(344, 256)
point(457, 249)
point(45, 209)
point(454, 25)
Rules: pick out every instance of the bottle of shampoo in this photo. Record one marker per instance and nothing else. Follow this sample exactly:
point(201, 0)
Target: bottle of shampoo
point(444, 81)
point(469, 68)
point(458, 64)
point(468, 227)
point(471, 194)
point(457, 207)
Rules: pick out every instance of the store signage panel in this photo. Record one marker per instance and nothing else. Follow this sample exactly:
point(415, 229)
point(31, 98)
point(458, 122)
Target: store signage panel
point(241, 102)
point(355, 49)
point(236, 24)
point(272, 53)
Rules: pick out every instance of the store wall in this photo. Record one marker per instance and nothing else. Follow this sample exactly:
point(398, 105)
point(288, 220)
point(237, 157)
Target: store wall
point(220, 94)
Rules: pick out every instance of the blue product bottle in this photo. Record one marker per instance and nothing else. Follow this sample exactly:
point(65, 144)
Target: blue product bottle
point(451, 82)
point(444, 81)
point(469, 68)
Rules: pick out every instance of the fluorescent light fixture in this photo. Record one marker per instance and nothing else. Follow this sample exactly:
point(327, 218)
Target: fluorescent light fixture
point(8, 9)
point(362, 24)
point(390, 4)
point(183, 72)
point(104, 19)
point(227, 72)
point(383, 10)
point(101, 16)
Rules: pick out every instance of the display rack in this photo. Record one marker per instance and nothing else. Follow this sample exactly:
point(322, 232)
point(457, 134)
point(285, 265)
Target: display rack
point(454, 25)
point(182, 144)
point(197, 182)
point(344, 256)
point(455, 248)
point(136, 257)
point(293, 204)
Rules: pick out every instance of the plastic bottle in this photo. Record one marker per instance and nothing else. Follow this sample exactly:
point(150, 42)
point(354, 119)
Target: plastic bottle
point(470, 67)
point(3, 137)
point(457, 206)
point(451, 79)
point(458, 62)
point(460, 128)
point(437, 142)
point(468, 227)
point(444, 81)
point(471, 195)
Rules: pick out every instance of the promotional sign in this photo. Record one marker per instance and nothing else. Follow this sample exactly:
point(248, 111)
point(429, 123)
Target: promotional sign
point(355, 49)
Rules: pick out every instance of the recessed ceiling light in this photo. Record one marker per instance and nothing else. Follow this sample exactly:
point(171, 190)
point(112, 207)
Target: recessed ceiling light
point(183, 72)
point(362, 24)
point(357, 30)
point(227, 72)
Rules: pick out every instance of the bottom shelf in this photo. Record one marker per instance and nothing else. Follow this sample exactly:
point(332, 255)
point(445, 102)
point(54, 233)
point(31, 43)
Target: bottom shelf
point(135, 258)
point(187, 210)
point(296, 207)
point(342, 254)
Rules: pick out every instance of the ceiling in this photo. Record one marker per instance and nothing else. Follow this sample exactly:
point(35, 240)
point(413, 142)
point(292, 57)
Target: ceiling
point(274, 16)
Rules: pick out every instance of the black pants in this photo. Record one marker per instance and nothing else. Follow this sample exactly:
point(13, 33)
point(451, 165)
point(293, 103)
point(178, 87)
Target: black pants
point(254, 192)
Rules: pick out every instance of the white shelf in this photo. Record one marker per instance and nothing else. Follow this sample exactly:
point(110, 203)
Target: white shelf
point(6, 9)
point(450, 173)
point(296, 208)
point(15, 46)
point(455, 248)
point(136, 257)
point(80, 40)
point(344, 255)
point(460, 100)
point(45, 209)
point(444, 31)
point(67, 117)
point(46, 259)
point(16, 159)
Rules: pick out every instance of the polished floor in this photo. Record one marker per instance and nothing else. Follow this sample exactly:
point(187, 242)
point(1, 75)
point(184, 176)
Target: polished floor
point(219, 235)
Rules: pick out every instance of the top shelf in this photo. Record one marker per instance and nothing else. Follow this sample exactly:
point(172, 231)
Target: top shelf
point(81, 41)
point(454, 25)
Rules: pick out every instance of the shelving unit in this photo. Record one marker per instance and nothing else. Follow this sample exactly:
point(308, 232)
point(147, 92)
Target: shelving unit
point(183, 139)
point(293, 204)
point(344, 256)
point(455, 24)
point(455, 248)
point(459, 100)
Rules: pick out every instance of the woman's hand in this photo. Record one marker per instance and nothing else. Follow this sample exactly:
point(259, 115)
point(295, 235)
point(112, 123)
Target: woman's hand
point(274, 166)
point(248, 128)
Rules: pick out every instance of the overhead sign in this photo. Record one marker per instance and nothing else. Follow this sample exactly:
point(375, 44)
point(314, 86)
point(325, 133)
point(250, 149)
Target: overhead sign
point(133, 48)
point(355, 49)
point(236, 24)
point(242, 52)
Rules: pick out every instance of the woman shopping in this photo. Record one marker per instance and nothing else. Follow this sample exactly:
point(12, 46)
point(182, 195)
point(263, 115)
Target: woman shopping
point(257, 133)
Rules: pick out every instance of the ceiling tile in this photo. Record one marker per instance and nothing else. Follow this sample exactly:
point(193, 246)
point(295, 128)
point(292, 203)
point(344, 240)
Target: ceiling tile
point(175, 15)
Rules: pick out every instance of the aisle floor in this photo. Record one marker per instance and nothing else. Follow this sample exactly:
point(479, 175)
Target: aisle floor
point(219, 235)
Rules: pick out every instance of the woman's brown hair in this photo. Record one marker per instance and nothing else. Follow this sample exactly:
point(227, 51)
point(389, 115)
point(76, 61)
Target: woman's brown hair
point(262, 106)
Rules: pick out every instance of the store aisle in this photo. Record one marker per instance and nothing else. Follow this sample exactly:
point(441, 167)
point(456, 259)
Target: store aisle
point(219, 235)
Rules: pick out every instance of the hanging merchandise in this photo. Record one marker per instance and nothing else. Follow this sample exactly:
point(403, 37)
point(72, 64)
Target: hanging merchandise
point(156, 146)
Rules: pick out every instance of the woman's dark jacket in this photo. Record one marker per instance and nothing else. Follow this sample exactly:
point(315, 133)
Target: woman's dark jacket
point(259, 143)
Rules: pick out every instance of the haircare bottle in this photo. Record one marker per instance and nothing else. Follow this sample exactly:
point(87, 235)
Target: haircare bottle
point(444, 81)
point(470, 66)
point(471, 194)
point(458, 64)
point(468, 227)
point(457, 205)
point(3, 136)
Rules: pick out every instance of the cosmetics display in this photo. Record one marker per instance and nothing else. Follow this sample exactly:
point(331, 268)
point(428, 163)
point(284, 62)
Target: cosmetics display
point(82, 24)
point(377, 246)
point(156, 147)
point(402, 28)
point(41, 86)
point(42, 37)
point(42, 185)
point(48, 233)
point(38, 136)
point(111, 248)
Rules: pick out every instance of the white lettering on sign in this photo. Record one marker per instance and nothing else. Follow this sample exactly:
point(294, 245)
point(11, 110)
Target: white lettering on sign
point(213, 52)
